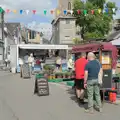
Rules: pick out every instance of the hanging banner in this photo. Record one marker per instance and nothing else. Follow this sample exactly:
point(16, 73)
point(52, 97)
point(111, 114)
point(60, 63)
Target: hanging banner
point(113, 10)
point(99, 11)
point(45, 12)
point(65, 12)
point(71, 12)
point(58, 12)
point(85, 12)
point(21, 11)
point(27, 12)
point(14, 11)
point(34, 11)
point(92, 12)
point(106, 10)
point(1, 10)
point(52, 11)
point(7, 11)
point(78, 11)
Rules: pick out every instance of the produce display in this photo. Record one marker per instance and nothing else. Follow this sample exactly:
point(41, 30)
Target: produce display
point(52, 73)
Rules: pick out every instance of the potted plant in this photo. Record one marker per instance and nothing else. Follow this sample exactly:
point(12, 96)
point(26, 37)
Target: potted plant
point(59, 75)
point(69, 75)
point(63, 75)
point(53, 77)
point(66, 74)
point(73, 75)
point(56, 75)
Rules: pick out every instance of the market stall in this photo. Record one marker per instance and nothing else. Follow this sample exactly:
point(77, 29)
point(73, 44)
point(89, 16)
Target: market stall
point(106, 53)
point(17, 51)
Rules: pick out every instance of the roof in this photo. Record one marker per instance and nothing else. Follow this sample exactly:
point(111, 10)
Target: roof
point(12, 27)
point(113, 35)
point(116, 42)
point(67, 17)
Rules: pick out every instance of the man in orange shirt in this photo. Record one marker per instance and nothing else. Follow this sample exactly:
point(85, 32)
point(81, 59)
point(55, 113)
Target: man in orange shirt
point(79, 81)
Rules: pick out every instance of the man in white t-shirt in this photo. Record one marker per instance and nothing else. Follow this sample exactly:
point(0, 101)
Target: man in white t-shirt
point(70, 64)
point(31, 62)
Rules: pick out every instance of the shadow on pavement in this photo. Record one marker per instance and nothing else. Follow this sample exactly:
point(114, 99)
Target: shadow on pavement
point(71, 92)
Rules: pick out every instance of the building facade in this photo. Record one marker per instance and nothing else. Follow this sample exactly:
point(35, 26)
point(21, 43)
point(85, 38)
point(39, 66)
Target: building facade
point(64, 30)
point(63, 5)
point(34, 37)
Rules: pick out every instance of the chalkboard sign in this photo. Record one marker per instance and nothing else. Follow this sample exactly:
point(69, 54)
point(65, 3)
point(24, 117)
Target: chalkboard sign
point(41, 86)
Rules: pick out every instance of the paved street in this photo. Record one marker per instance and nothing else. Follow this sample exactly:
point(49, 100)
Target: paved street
point(17, 102)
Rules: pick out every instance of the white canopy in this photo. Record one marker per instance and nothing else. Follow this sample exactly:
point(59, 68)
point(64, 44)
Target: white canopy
point(116, 42)
point(36, 46)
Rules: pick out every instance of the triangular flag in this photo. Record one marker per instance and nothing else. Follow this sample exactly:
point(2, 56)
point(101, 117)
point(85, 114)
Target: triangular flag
point(92, 12)
point(113, 10)
point(106, 10)
point(58, 12)
point(21, 11)
point(65, 12)
point(78, 11)
point(15, 11)
point(34, 11)
point(1, 10)
point(85, 12)
point(71, 12)
point(99, 11)
point(7, 10)
point(27, 12)
point(51, 11)
point(45, 12)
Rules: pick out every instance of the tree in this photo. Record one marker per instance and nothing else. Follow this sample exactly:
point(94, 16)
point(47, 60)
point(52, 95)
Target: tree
point(76, 40)
point(94, 25)
point(99, 3)
point(41, 34)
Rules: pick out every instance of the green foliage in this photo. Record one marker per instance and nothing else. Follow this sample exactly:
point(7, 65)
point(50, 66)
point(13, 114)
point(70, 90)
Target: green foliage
point(93, 25)
point(41, 34)
point(76, 40)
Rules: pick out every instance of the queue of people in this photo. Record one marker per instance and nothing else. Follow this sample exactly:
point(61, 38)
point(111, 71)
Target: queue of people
point(87, 72)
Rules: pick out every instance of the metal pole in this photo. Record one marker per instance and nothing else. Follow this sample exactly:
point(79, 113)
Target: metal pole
point(2, 27)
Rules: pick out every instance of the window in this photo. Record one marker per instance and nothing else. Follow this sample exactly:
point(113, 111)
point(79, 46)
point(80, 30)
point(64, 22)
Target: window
point(67, 37)
point(69, 6)
point(67, 21)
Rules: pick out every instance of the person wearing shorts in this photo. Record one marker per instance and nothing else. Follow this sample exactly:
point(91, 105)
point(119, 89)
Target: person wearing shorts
point(79, 81)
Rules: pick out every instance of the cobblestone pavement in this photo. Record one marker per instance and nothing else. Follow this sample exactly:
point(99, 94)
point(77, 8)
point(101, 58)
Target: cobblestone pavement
point(17, 102)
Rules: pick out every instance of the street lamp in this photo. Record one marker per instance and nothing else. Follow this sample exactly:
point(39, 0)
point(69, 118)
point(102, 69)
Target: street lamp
point(2, 29)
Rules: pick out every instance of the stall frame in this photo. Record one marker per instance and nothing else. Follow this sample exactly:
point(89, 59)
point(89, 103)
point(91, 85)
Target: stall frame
point(100, 47)
point(14, 51)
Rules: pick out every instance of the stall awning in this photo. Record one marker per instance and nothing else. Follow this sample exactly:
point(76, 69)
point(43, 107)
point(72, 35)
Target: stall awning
point(85, 48)
point(47, 47)
point(95, 47)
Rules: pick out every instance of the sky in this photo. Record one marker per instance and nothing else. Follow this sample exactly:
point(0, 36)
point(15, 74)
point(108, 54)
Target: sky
point(39, 20)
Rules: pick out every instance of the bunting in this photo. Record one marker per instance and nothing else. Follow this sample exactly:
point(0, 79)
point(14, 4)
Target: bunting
point(65, 12)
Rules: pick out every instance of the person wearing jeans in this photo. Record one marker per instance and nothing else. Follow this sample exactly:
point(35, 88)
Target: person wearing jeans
point(92, 70)
point(31, 63)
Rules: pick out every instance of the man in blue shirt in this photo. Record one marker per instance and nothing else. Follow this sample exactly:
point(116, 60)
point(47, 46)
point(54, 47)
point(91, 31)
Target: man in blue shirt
point(92, 70)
